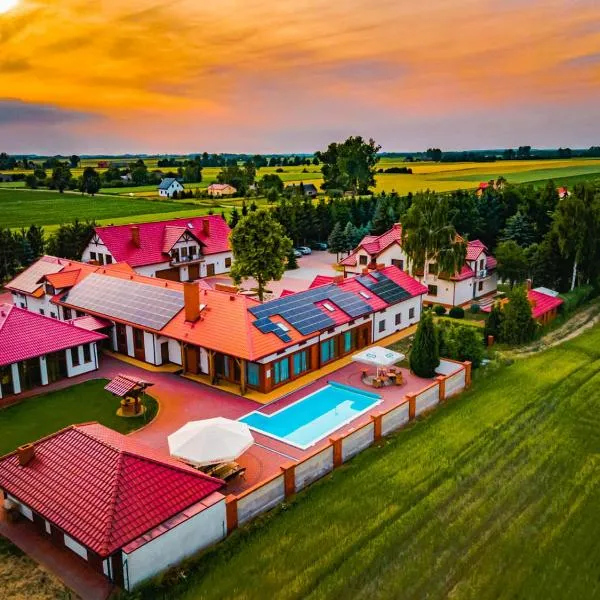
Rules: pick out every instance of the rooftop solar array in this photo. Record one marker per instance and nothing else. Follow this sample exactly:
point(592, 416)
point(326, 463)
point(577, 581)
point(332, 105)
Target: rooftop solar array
point(138, 303)
point(384, 287)
point(300, 311)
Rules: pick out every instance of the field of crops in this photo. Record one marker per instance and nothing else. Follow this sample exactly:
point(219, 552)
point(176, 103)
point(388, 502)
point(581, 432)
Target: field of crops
point(495, 495)
point(21, 208)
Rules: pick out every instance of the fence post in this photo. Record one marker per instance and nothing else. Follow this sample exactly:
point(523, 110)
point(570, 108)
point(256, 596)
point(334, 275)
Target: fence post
point(377, 420)
point(412, 406)
point(289, 478)
point(468, 366)
point(441, 379)
point(231, 510)
point(336, 442)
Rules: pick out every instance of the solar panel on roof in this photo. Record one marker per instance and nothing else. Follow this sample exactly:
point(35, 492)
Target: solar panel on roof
point(142, 304)
point(384, 287)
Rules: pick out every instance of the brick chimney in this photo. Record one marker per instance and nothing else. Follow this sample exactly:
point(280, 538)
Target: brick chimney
point(191, 301)
point(25, 454)
point(206, 227)
point(135, 235)
point(528, 284)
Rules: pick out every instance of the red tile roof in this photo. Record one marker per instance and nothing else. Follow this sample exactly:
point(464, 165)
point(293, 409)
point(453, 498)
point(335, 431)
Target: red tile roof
point(465, 273)
point(542, 303)
point(123, 384)
point(25, 334)
point(404, 280)
point(375, 245)
point(337, 315)
point(30, 279)
point(101, 487)
point(154, 237)
point(474, 249)
point(491, 262)
point(90, 323)
point(320, 280)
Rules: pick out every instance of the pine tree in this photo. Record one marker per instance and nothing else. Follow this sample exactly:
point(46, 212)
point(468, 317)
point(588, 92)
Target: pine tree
point(292, 262)
point(518, 326)
point(234, 218)
point(424, 355)
point(35, 237)
point(337, 240)
point(349, 237)
point(493, 324)
point(383, 218)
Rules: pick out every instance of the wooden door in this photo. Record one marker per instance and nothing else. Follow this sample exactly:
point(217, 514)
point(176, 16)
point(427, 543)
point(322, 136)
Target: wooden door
point(139, 349)
point(164, 353)
point(192, 359)
point(169, 274)
point(210, 270)
point(194, 272)
point(121, 338)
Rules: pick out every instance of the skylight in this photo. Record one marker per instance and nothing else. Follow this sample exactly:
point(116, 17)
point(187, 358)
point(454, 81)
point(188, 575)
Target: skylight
point(364, 295)
point(328, 306)
point(283, 327)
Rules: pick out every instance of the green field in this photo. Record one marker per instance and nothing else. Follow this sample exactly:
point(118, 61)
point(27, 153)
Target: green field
point(37, 417)
point(495, 495)
point(22, 208)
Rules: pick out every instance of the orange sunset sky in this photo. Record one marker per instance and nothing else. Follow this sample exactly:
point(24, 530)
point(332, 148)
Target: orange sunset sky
point(282, 76)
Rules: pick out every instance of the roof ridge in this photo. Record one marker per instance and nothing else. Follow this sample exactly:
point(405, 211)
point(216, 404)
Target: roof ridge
point(109, 521)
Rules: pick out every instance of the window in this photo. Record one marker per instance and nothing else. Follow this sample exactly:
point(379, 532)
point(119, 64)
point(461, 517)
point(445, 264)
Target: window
point(433, 269)
point(67, 313)
point(327, 350)
point(281, 370)
point(398, 319)
point(79, 313)
point(363, 260)
point(87, 353)
point(75, 357)
point(53, 315)
point(253, 374)
point(41, 311)
point(397, 262)
point(348, 341)
point(481, 264)
point(432, 290)
point(381, 326)
point(227, 262)
point(480, 286)
point(93, 256)
point(300, 362)
point(411, 313)
point(108, 259)
point(328, 307)
point(184, 252)
point(101, 258)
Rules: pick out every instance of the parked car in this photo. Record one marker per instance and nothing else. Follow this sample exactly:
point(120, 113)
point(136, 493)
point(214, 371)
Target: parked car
point(318, 245)
point(297, 253)
point(305, 250)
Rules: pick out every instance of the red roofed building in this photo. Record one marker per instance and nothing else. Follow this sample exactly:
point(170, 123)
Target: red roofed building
point(178, 250)
point(37, 350)
point(476, 279)
point(128, 510)
point(544, 303)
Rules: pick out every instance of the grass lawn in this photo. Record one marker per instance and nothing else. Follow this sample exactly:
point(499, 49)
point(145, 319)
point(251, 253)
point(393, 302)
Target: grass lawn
point(39, 416)
point(495, 495)
point(22, 208)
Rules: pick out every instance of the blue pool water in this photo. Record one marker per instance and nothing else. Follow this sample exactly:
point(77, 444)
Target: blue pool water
point(313, 417)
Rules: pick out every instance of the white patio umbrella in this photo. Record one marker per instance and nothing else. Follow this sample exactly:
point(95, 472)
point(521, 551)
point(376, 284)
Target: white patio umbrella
point(378, 356)
point(210, 441)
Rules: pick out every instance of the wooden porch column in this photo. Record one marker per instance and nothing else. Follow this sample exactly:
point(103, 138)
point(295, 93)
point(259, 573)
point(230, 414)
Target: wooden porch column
point(412, 406)
point(442, 385)
point(468, 366)
point(242, 364)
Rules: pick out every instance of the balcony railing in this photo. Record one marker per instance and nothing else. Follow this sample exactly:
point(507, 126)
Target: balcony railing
point(184, 260)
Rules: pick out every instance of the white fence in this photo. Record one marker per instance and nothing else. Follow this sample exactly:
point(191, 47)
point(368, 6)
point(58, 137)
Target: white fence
point(313, 468)
point(357, 441)
point(427, 399)
point(396, 418)
point(261, 499)
point(455, 383)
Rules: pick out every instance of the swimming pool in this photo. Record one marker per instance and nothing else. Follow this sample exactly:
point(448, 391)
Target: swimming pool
point(311, 418)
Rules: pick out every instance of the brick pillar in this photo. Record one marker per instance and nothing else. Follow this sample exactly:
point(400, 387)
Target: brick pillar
point(377, 419)
point(336, 442)
point(468, 365)
point(441, 379)
point(289, 478)
point(412, 406)
point(231, 511)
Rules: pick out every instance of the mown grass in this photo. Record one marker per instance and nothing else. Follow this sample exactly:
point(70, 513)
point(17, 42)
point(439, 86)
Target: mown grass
point(22, 208)
point(494, 495)
point(39, 416)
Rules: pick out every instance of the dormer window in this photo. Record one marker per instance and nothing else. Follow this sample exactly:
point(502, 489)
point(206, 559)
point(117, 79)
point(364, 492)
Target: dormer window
point(328, 306)
point(283, 327)
point(364, 295)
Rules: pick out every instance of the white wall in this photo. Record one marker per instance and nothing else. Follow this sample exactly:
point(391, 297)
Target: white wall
point(75, 547)
point(185, 539)
point(490, 284)
point(174, 349)
point(393, 252)
point(218, 260)
point(464, 291)
point(389, 317)
point(150, 270)
point(99, 249)
point(150, 354)
point(129, 336)
point(82, 367)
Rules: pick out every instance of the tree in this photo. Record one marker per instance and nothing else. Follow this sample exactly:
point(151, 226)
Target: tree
point(69, 241)
point(424, 355)
point(292, 262)
point(518, 326)
point(349, 165)
point(383, 217)
point(519, 229)
point(35, 237)
point(336, 241)
point(90, 181)
point(61, 177)
point(435, 154)
point(260, 249)
point(493, 324)
point(74, 161)
point(428, 236)
point(235, 217)
point(39, 173)
point(192, 172)
point(572, 223)
point(31, 181)
point(8, 254)
point(350, 237)
point(270, 181)
point(512, 262)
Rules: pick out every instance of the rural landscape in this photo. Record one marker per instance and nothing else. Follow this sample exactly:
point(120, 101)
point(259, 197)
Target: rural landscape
point(297, 307)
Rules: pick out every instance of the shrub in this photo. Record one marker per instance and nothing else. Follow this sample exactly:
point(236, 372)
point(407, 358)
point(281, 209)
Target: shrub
point(518, 326)
point(575, 298)
point(456, 312)
point(475, 308)
point(424, 356)
point(460, 342)
point(439, 310)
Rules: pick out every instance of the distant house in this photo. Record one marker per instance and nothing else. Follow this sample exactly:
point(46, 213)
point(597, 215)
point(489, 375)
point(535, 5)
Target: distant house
point(178, 249)
point(5, 178)
point(476, 279)
point(36, 350)
point(126, 178)
point(169, 186)
point(221, 189)
point(309, 189)
point(126, 510)
point(563, 192)
point(491, 184)
point(103, 164)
